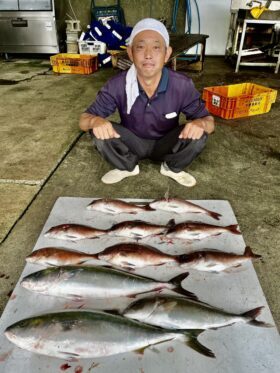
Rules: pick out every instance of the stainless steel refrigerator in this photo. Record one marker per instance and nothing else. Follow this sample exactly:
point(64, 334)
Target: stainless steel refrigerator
point(28, 26)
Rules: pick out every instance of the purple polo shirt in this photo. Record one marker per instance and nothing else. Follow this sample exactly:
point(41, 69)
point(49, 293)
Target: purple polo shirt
point(151, 118)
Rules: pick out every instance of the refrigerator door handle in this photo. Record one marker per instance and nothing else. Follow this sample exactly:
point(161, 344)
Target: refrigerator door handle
point(19, 22)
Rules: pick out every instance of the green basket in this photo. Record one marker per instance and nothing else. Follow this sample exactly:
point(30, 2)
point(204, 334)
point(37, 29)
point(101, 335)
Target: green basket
point(114, 11)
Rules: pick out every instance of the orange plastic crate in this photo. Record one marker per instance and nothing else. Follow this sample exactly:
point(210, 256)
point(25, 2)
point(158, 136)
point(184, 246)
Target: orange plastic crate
point(68, 63)
point(238, 100)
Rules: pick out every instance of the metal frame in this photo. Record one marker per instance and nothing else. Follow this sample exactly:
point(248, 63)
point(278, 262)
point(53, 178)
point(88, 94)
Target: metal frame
point(241, 51)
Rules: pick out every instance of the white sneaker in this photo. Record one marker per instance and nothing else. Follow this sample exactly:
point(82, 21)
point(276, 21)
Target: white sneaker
point(182, 177)
point(114, 176)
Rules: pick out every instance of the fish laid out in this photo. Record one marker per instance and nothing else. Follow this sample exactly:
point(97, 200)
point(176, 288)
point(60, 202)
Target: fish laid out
point(132, 255)
point(85, 334)
point(79, 283)
point(173, 312)
point(180, 206)
point(124, 255)
point(59, 256)
point(138, 229)
point(216, 261)
point(198, 231)
point(114, 206)
point(74, 232)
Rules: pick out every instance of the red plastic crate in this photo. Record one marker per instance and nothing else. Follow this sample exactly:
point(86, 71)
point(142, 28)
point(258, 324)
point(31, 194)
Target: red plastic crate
point(70, 63)
point(238, 100)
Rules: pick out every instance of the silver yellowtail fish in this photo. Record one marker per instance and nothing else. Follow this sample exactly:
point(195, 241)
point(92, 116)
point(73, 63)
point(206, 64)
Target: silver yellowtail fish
point(138, 229)
point(85, 334)
point(73, 232)
point(181, 206)
point(114, 206)
point(180, 313)
point(199, 231)
point(216, 261)
point(59, 256)
point(80, 283)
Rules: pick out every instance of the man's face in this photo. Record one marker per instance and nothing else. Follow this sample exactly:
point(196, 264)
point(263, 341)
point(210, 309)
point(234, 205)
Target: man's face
point(149, 53)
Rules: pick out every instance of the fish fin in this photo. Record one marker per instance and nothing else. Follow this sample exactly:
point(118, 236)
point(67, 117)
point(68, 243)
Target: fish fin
point(49, 264)
point(141, 351)
point(113, 312)
point(128, 265)
point(171, 223)
point(179, 278)
point(130, 269)
point(70, 355)
point(182, 259)
point(214, 215)
point(253, 314)
point(249, 253)
point(148, 208)
point(186, 293)
point(262, 324)
point(193, 343)
point(76, 298)
point(233, 229)
point(169, 306)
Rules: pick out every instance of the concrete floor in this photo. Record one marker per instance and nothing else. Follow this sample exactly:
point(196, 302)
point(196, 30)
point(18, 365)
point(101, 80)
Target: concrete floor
point(44, 156)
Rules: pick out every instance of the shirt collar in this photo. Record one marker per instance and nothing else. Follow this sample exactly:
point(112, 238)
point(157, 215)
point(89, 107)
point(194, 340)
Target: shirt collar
point(163, 81)
point(162, 87)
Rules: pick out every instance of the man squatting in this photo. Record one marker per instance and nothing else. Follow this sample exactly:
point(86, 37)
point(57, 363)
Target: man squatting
point(149, 98)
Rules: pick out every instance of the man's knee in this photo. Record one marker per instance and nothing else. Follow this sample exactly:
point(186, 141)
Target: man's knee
point(102, 145)
point(200, 143)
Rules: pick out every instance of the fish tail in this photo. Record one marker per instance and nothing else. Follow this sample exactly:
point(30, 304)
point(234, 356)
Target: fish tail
point(249, 253)
point(193, 343)
point(182, 259)
point(170, 225)
point(214, 215)
point(253, 314)
point(233, 229)
point(148, 208)
point(176, 281)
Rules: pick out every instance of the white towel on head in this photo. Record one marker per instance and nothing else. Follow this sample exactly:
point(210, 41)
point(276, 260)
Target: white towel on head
point(131, 87)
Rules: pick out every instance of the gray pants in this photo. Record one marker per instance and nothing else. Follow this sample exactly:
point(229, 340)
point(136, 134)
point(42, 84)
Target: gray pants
point(125, 152)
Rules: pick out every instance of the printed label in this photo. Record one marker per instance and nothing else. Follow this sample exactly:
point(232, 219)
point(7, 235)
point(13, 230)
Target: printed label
point(216, 100)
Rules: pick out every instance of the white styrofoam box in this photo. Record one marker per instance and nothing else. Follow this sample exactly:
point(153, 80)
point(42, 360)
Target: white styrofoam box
point(91, 47)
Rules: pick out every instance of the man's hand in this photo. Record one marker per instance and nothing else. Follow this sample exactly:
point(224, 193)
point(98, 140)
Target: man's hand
point(103, 130)
point(195, 129)
point(191, 131)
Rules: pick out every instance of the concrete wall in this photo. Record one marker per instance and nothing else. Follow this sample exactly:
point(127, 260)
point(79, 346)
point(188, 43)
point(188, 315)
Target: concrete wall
point(134, 10)
point(214, 16)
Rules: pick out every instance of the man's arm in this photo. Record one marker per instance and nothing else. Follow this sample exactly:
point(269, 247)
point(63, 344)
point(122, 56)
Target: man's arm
point(195, 129)
point(101, 128)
